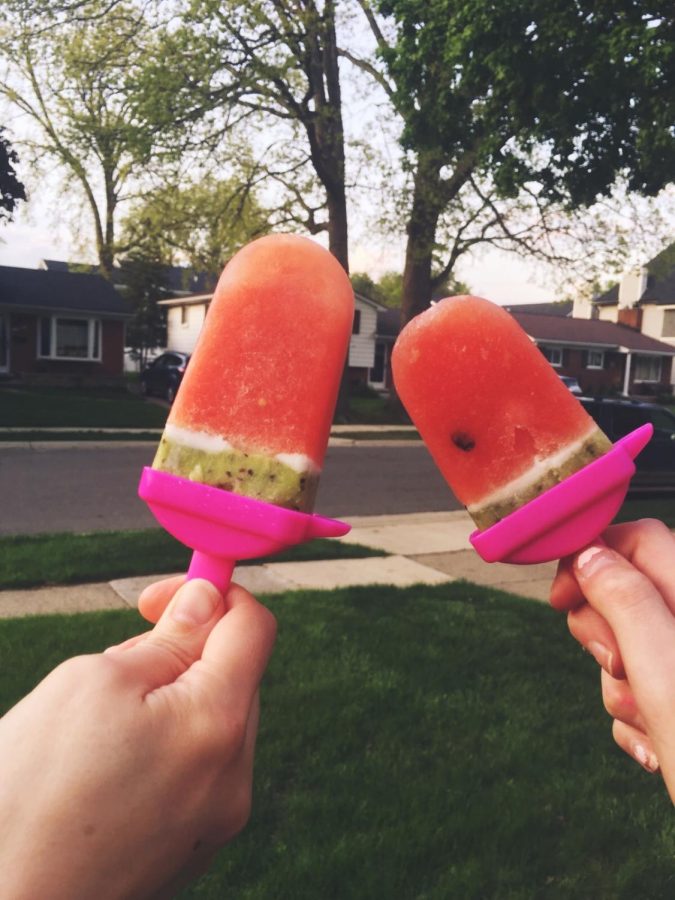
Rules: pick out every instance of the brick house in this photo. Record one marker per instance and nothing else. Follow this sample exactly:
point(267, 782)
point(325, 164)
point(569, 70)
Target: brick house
point(605, 357)
point(60, 327)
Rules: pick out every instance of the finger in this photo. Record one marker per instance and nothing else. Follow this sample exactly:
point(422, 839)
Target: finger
point(636, 744)
point(236, 653)
point(638, 616)
point(565, 591)
point(650, 546)
point(595, 636)
point(620, 702)
point(155, 598)
point(178, 639)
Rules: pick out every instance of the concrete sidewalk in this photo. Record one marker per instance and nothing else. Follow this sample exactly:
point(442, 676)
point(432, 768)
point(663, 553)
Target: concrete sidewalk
point(423, 548)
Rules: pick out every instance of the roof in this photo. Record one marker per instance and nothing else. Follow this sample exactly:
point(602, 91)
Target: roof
point(49, 291)
point(388, 323)
point(589, 333)
point(556, 308)
point(660, 287)
point(177, 279)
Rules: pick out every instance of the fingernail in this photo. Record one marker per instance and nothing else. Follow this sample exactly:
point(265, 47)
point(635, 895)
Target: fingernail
point(195, 603)
point(646, 758)
point(593, 558)
point(601, 654)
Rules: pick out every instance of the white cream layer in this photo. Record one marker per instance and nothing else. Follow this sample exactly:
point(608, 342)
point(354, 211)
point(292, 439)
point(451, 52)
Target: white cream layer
point(213, 443)
point(539, 468)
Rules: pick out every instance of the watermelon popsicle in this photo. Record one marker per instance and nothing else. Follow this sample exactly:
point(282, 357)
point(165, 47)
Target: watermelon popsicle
point(254, 410)
point(238, 465)
point(496, 418)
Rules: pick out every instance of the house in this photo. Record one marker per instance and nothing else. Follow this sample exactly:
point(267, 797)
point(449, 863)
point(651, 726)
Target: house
point(60, 326)
point(367, 363)
point(644, 299)
point(605, 357)
point(176, 281)
point(172, 281)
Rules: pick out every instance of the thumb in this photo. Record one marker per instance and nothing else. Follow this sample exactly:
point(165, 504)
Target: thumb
point(178, 638)
point(638, 615)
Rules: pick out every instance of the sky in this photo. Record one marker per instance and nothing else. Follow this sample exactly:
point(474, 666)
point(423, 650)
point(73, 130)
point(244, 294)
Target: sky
point(35, 235)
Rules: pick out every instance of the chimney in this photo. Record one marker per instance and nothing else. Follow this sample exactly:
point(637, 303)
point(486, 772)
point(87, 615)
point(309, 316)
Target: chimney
point(583, 308)
point(632, 287)
point(631, 317)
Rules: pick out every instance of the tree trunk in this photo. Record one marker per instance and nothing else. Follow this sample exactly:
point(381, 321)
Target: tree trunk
point(326, 138)
point(426, 208)
point(421, 229)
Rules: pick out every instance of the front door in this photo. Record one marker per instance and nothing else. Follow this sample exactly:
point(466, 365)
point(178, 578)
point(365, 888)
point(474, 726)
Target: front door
point(4, 342)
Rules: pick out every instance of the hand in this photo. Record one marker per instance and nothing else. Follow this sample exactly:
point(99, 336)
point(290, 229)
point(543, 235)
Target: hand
point(620, 597)
point(123, 770)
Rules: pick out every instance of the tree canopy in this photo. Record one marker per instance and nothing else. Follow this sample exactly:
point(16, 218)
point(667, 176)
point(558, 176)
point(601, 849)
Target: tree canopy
point(74, 82)
point(549, 97)
point(202, 224)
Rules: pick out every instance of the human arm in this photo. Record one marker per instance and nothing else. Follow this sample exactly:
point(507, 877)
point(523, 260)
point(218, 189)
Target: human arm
point(619, 595)
point(123, 770)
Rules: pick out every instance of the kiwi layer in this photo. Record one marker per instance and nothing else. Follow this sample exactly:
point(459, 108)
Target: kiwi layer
point(249, 474)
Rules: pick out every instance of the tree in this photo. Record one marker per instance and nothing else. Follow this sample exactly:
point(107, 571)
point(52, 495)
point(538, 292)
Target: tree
point(544, 103)
point(388, 290)
point(272, 58)
point(74, 82)
point(11, 189)
point(202, 224)
point(145, 284)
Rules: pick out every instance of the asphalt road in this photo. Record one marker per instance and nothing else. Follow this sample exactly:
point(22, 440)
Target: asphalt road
point(90, 488)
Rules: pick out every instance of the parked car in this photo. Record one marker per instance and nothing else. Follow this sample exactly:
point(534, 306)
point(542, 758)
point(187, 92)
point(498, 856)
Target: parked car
point(571, 384)
point(656, 463)
point(163, 376)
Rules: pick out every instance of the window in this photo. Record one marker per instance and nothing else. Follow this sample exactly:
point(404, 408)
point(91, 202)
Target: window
point(356, 324)
point(668, 329)
point(183, 315)
point(68, 338)
point(553, 354)
point(647, 368)
point(595, 359)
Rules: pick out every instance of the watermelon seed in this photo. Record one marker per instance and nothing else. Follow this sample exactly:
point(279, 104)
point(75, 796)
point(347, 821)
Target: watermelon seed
point(463, 440)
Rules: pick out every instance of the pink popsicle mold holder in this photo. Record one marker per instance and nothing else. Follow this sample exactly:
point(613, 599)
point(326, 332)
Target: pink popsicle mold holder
point(569, 515)
point(221, 527)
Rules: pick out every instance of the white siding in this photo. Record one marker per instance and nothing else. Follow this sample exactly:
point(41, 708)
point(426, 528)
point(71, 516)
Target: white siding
point(608, 313)
point(652, 324)
point(362, 345)
point(183, 337)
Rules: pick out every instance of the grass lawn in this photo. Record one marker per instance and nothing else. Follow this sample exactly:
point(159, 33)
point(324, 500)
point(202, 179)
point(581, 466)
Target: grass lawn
point(45, 407)
point(372, 409)
point(37, 560)
point(424, 744)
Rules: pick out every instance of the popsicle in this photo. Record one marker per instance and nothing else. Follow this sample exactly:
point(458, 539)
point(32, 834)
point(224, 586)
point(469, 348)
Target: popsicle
point(254, 410)
point(496, 418)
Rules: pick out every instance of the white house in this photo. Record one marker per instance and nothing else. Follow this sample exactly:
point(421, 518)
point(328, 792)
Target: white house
point(185, 317)
point(644, 299)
